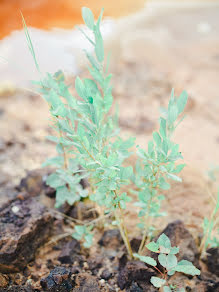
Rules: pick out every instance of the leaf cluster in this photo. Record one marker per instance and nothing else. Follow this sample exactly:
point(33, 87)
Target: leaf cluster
point(168, 260)
point(158, 164)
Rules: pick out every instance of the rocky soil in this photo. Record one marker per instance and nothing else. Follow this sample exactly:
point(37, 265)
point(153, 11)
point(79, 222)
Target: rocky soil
point(37, 252)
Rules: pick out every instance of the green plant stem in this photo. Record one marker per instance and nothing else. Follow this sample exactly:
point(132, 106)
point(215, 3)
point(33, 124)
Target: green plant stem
point(207, 235)
point(143, 238)
point(124, 232)
point(146, 227)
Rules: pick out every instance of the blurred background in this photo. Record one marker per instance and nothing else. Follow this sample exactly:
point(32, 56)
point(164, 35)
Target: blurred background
point(155, 46)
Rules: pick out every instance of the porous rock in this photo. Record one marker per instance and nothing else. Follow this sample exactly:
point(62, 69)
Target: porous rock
point(111, 239)
point(34, 183)
point(59, 280)
point(106, 274)
point(86, 283)
point(212, 261)
point(134, 271)
point(24, 226)
point(69, 252)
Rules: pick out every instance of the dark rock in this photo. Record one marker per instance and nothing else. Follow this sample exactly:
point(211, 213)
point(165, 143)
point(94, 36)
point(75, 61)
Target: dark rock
point(86, 283)
point(181, 237)
point(34, 182)
point(24, 226)
point(135, 244)
point(146, 286)
point(212, 261)
point(67, 255)
point(111, 239)
point(123, 259)
point(206, 286)
point(95, 264)
point(134, 271)
point(59, 280)
point(142, 286)
point(106, 274)
point(134, 288)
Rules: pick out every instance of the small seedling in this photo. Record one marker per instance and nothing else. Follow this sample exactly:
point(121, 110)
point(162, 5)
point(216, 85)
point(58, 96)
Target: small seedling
point(158, 164)
point(168, 260)
point(210, 227)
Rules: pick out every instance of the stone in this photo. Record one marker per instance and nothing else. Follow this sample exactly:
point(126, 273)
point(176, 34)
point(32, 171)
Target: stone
point(86, 283)
point(58, 280)
point(134, 271)
point(212, 260)
point(111, 239)
point(106, 274)
point(24, 227)
point(68, 252)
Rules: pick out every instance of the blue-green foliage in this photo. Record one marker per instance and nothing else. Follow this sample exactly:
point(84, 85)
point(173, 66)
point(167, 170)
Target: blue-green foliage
point(88, 132)
point(87, 135)
point(168, 260)
point(209, 227)
point(83, 233)
point(158, 164)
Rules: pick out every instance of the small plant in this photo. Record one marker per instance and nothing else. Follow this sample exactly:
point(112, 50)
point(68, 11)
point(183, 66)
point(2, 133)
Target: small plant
point(210, 227)
point(168, 260)
point(159, 164)
point(87, 135)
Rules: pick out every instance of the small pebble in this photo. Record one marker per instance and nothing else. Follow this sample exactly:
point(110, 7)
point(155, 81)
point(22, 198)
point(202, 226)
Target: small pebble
point(15, 209)
point(85, 265)
point(102, 282)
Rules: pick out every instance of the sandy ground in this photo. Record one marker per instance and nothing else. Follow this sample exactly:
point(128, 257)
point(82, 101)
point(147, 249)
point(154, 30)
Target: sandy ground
point(151, 53)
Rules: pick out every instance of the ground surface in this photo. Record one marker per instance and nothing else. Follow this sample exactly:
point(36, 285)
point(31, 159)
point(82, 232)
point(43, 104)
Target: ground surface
point(157, 51)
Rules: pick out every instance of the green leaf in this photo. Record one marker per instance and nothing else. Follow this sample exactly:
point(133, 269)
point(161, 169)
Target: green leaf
point(172, 114)
point(157, 138)
point(162, 258)
point(171, 273)
point(153, 246)
point(163, 128)
point(179, 168)
point(171, 261)
point(163, 184)
point(57, 161)
point(174, 177)
point(54, 181)
point(148, 260)
point(164, 241)
point(166, 289)
point(157, 282)
point(92, 60)
point(99, 47)
point(180, 290)
point(186, 267)
point(174, 250)
point(181, 101)
point(88, 17)
point(80, 229)
point(80, 88)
